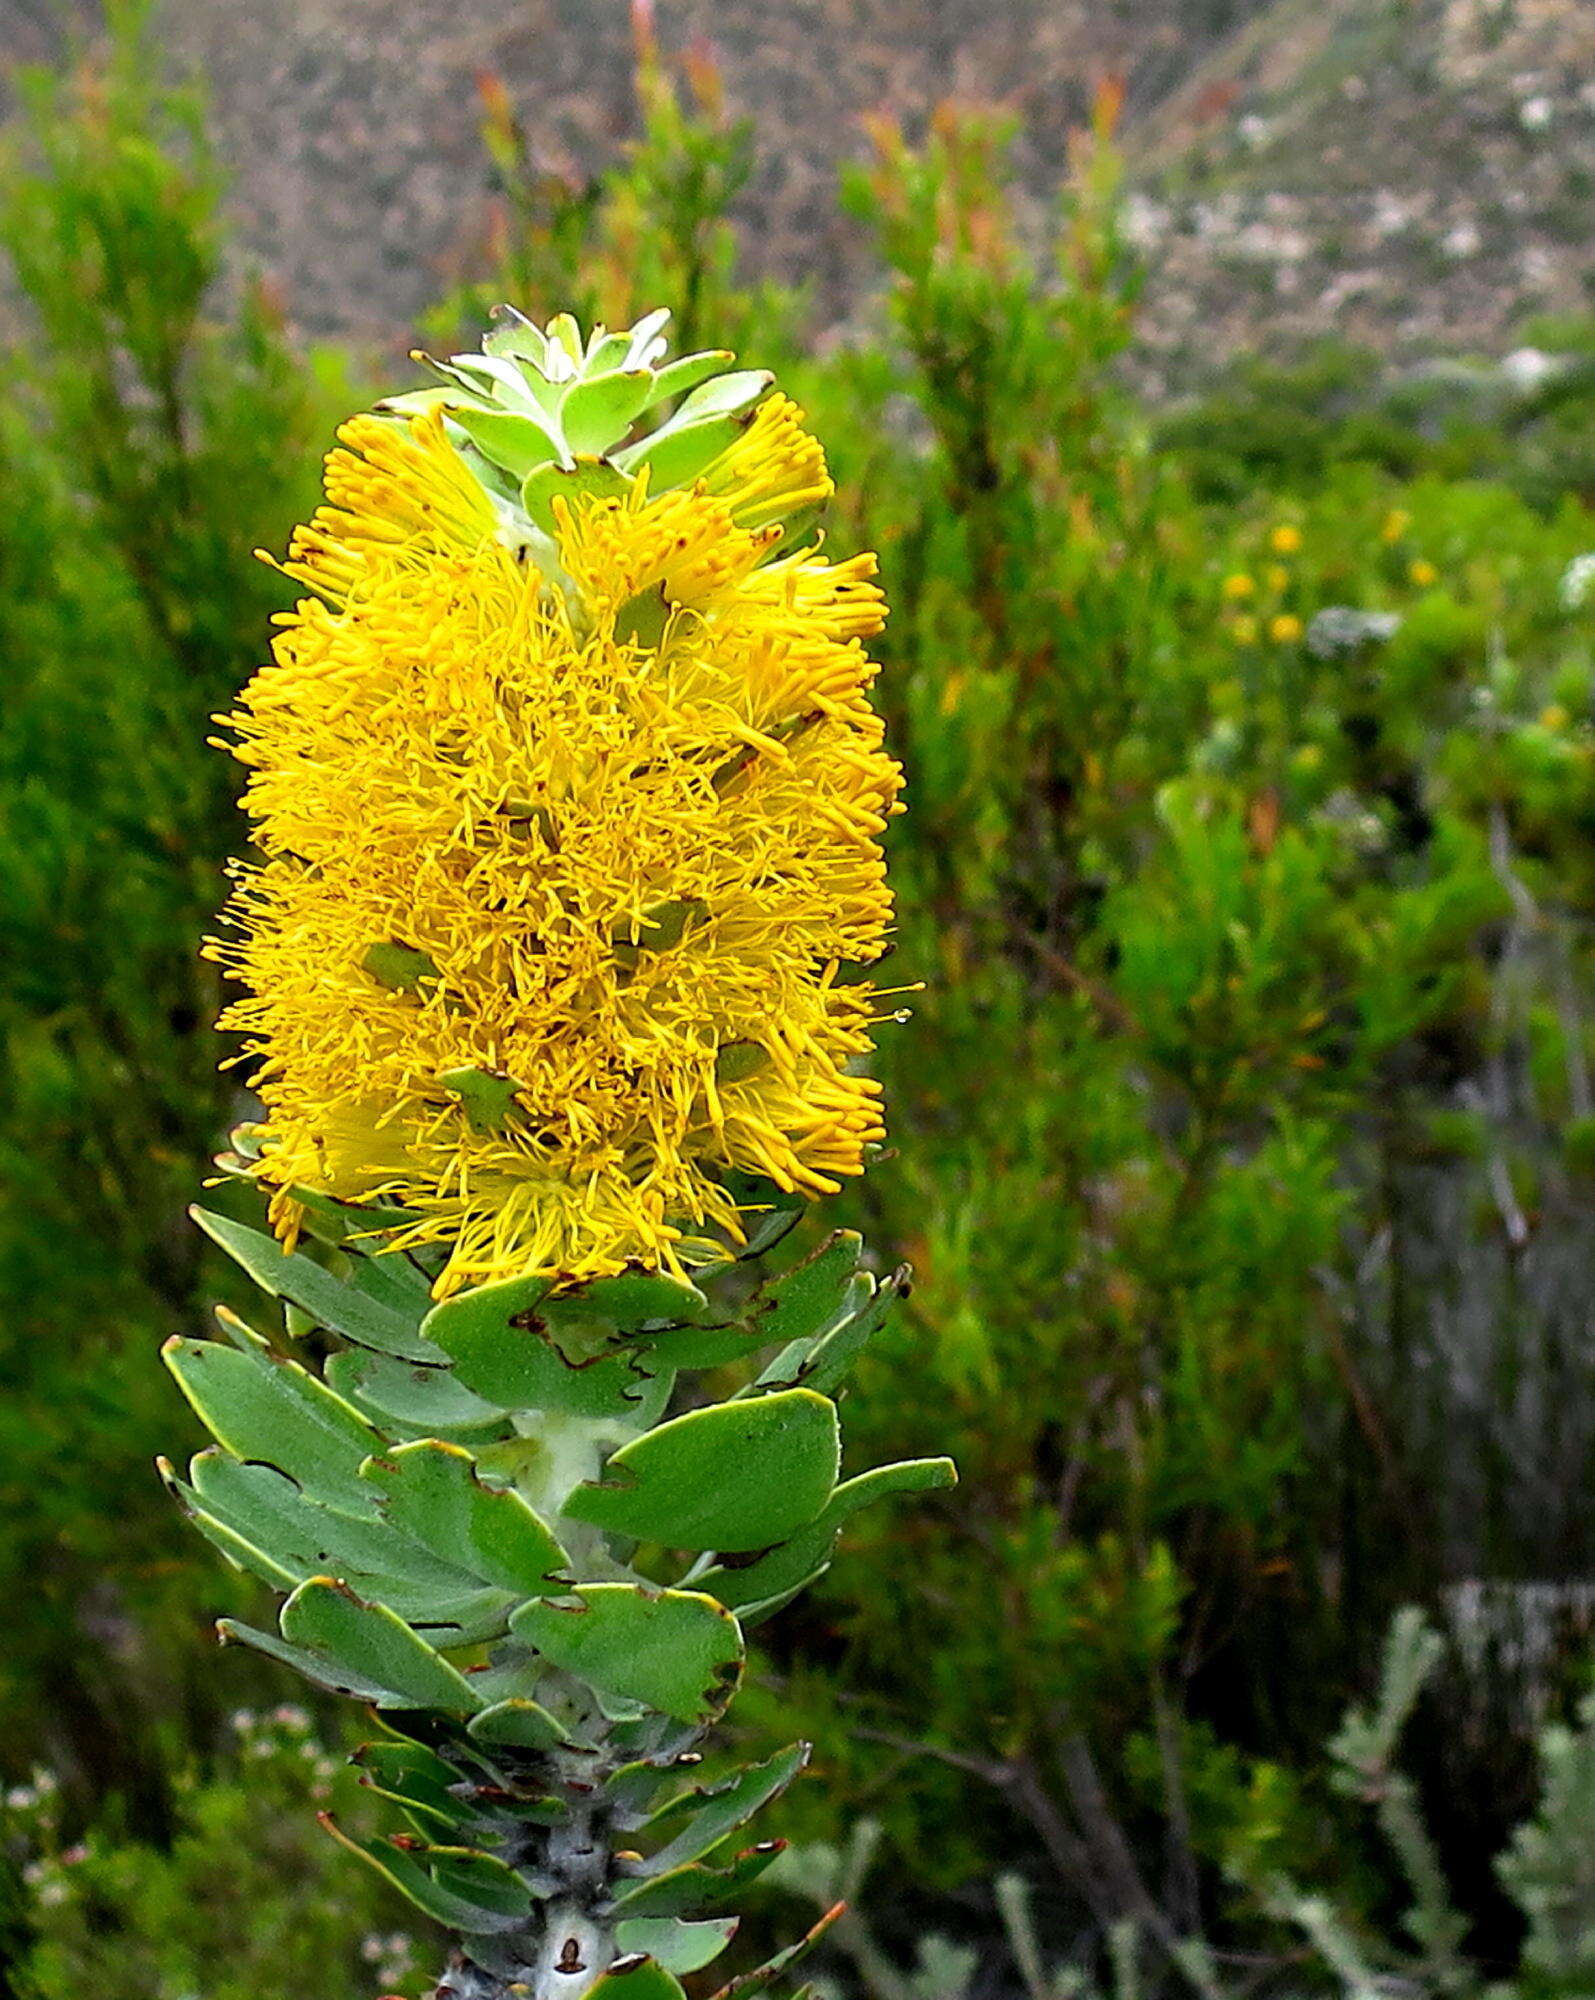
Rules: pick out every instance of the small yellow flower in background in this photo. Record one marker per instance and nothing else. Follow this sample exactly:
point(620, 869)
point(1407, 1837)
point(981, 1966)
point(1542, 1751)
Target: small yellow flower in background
point(1422, 573)
point(1285, 540)
point(1554, 717)
point(1245, 630)
point(569, 829)
point(1396, 524)
point(1283, 629)
point(1276, 576)
point(1238, 586)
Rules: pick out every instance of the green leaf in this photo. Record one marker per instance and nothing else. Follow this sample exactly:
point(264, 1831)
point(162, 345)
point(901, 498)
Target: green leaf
point(804, 1301)
point(677, 377)
point(746, 1984)
point(598, 411)
point(271, 1511)
point(513, 335)
point(451, 1607)
point(726, 396)
point(758, 1589)
point(263, 1408)
point(636, 1978)
point(674, 1650)
point(661, 927)
point(413, 402)
point(497, 1339)
point(738, 1475)
point(735, 1062)
point(316, 1667)
point(518, 440)
point(834, 1353)
point(692, 1886)
point(343, 1308)
point(430, 1401)
point(676, 453)
point(627, 1303)
point(519, 1723)
point(642, 619)
point(593, 478)
point(705, 1815)
point(702, 1346)
point(485, 378)
point(327, 1619)
point(677, 1946)
point(399, 967)
point(430, 1490)
point(485, 1095)
point(457, 1887)
point(419, 1781)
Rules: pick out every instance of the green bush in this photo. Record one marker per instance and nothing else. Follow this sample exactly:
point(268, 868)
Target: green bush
point(1243, 1126)
point(152, 435)
point(247, 1897)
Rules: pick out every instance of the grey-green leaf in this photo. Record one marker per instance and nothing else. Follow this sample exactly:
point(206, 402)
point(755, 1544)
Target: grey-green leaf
point(677, 377)
point(589, 478)
point(698, 1822)
point(673, 1650)
point(501, 1349)
point(430, 1491)
point(459, 1888)
point(274, 1411)
point(427, 1401)
point(677, 1946)
point(598, 411)
point(346, 1309)
point(676, 453)
point(517, 440)
point(738, 1475)
point(375, 1644)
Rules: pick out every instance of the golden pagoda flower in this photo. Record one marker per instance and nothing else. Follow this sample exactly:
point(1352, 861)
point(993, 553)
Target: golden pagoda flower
point(569, 797)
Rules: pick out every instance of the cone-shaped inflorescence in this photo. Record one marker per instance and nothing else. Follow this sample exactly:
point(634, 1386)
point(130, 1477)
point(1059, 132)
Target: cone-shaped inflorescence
point(569, 792)
point(569, 796)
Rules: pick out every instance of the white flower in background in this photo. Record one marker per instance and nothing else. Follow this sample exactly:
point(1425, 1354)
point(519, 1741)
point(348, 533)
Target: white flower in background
point(1535, 113)
point(1578, 580)
point(1526, 368)
point(1340, 629)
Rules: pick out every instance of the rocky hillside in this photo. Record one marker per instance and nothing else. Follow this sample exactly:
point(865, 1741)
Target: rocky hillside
point(1410, 172)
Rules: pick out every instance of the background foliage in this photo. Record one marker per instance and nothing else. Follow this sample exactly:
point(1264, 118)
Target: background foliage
point(1245, 1128)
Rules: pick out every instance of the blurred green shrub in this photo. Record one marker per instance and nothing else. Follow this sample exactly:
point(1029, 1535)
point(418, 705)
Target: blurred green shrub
point(248, 1898)
point(156, 428)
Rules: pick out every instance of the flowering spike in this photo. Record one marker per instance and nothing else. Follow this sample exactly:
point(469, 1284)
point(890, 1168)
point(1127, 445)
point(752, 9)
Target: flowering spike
point(569, 795)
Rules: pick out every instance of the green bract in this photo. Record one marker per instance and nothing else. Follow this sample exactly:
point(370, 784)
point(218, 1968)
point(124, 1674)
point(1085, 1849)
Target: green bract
point(542, 413)
point(485, 1525)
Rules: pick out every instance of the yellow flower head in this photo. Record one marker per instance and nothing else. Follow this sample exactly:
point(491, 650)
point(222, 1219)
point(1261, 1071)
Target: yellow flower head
point(1284, 629)
point(569, 795)
point(1395, 525)
point(1238, 586)
point(1422, 573)
point(1285, 540)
